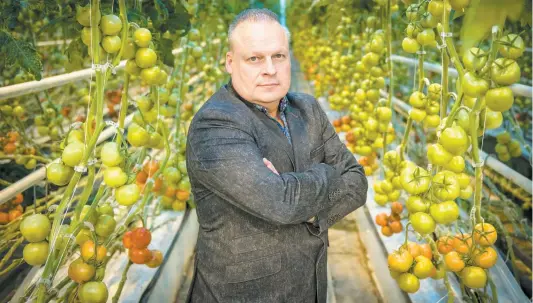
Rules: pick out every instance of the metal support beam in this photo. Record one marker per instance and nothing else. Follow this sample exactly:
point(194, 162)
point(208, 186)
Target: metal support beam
point(518, 89)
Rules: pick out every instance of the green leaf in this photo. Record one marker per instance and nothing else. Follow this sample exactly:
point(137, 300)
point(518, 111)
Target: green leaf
point(482, 15)
point(165, 51)
point(20, 52)
point(137, 17)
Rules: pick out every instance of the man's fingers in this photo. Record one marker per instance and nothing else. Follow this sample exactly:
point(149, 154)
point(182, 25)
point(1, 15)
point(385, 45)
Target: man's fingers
point(270, 166)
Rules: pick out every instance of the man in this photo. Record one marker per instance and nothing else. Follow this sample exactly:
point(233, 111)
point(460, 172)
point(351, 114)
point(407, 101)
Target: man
point(269, 176)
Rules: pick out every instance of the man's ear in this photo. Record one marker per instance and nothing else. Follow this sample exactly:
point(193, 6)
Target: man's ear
point(229, 61)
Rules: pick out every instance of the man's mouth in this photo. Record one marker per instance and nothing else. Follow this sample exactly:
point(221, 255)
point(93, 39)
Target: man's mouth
point(269, 84)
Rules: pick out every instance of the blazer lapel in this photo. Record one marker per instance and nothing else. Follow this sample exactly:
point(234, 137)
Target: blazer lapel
point(278, 136)
point(300, 139)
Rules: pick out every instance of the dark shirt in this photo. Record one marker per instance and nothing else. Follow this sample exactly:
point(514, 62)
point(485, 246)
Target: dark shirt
point(282, 107)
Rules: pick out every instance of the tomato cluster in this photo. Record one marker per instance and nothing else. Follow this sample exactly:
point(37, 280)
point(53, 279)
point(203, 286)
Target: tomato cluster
point(470, 255)
point(35, 229)
point(137, 241)
point(412, 262)
point(391, 224)
point(11, 210)
point(507, 147)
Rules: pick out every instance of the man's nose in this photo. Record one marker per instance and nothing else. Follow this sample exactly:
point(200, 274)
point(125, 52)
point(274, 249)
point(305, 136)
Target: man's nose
point(270, 69)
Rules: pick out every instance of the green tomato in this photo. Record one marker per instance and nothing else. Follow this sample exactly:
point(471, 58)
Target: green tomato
point(475, 59)
point(416, 204)
point(426, 37)
point(129, 50)
point(474, 86)
point(438, 155)
point(111, 44)
point(110, 25)
point(83, 16)
point(455, 140)
point(446, 186)
point(73, 153)
point(110, 154)
point(131, 68)
point(423, 223)
point(35, 228)
point(105, 209)
point(505, 71)
point(444, 212)
point(35, 254)
point(93, 292)
point(127, 195)
point(137, 136)
point(151, 75)
point(85, 211)
point(142, 37)
point(499, 99)
point(145, 57)
point(105, 226)
point(59, 174)
point(115, 177)
point(418, 100)
point(511, 46)
point(415, 180)
point(410, 45)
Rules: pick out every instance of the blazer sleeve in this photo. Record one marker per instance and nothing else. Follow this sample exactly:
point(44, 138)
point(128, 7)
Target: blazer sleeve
point(354, 185)
point(222, 155)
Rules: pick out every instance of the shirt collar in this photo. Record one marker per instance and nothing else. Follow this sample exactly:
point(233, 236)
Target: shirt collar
point(284, 102)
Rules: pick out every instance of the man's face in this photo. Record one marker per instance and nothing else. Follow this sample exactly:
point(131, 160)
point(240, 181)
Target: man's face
point(259, 62)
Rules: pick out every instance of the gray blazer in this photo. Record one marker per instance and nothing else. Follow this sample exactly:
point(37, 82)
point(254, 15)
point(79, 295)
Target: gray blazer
point(254, 243)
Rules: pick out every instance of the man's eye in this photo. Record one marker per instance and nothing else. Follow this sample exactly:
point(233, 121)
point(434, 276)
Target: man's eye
point(278, 56)
point(253, 59)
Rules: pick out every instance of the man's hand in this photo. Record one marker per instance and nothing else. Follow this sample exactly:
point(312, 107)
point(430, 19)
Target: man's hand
point(270, 166)
point(273, 169)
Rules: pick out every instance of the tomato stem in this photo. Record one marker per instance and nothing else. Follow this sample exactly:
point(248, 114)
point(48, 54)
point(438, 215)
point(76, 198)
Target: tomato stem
point(116, 297)
point(123, 109)
point(405, 140)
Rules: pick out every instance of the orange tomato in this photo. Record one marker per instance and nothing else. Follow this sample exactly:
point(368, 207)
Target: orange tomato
point(462, 243)
point(158, 183)
point(485, 234)
point(414, 249)
point(156, 260)
point(400, 260)
point(126, 240)
point(445, 244)
point(10, 148)
point(151, 167)
point(140, 255)
point(454, 262)
point(141, 237)
point(396, 227)
point(4, 218)
point(486, 258)
point(12, 136)
point(425, 250)
point(18, 199)
point(141, 177)
point(170, 191)
point(88, 251)
point(182, 195)
point(382, 219)
point(396, 207)
point(386, 231)
point(13, 214)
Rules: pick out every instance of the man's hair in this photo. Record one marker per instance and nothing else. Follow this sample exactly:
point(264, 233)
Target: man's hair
point(255, 15)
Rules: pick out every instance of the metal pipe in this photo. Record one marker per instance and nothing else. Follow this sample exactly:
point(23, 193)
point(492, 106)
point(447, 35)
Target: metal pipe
point(52, 42)
point(47, 83)
point(40, 174)
point(518, 89)
point(491, 162)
